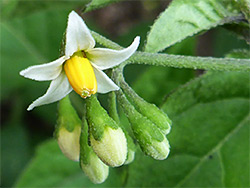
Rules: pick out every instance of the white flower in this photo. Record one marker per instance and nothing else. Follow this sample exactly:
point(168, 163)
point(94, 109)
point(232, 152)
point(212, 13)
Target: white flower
point(81, 66)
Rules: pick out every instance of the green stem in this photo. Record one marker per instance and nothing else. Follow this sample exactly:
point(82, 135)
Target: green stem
point(128, 90)
point(112, 107)
point(180, 61)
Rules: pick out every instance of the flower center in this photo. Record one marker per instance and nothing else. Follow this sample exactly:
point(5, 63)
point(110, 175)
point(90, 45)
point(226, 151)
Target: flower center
point(80, 74)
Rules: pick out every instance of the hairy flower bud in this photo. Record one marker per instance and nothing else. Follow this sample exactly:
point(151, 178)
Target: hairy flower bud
point(151, 111)
point(91, 165)
point(151, 140)
point(112, 148)
point(68, 130)
point(107, 138)
point(96, 170)
point(69, 142)
point(158, 150)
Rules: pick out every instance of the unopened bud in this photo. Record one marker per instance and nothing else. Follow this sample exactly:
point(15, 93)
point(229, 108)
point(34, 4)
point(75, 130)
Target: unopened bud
point(107, 138)
point(91, 165)
point(151, 111)
point(96, 170)
point(150, 138)
point(158, 150)
point(69, 142)
point(112, 148)
point(68, 130)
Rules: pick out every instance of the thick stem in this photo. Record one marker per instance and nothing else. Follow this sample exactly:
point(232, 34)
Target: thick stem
point(180, 61)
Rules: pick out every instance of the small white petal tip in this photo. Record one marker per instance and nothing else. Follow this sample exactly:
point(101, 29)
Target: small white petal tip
point(30, 107)
point(22, 73)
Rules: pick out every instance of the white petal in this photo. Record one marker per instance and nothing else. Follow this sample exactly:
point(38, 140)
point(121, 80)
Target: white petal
point(48, 71)
point(78, 36)
point(104, 58)
point(104, 83)
point(58, 89)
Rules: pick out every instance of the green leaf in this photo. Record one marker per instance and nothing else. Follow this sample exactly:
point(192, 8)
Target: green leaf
point(50, 168)
point(26, 41)
point(20, 8)
point(211, 86)
point(95, 4)
point(209, 137)
point(185, 18)
point(14, 142)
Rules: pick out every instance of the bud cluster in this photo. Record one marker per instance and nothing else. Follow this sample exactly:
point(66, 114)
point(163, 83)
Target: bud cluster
point(97, 141)
point(100, 140)
point(150, 125)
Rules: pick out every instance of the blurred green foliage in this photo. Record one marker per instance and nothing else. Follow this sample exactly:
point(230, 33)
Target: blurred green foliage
point(210, 114)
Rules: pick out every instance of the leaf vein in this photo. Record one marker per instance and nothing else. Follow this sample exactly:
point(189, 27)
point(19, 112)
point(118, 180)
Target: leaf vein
point(25, 43)
point(222, 169)
point(217, 147)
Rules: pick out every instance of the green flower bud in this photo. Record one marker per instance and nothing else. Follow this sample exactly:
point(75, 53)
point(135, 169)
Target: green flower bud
point(112, 148)
point(151, 111)
point(96, 170)
point(158, 150)
point(69, 143)
point(150, 138)
point(107, 138)
point(68, 130)
point(91, 165)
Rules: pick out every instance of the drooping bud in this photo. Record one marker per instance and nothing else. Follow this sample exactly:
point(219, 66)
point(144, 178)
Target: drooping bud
point(151, 140)
point(91, 165)
point(81, 75)
point(114, 114)
point(68, 130)
point(107, 138)
point(151, 111)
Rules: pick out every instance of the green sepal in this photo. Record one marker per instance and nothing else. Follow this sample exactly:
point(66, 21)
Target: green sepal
point(144, 130)
point(85, 149)
point(151, 111)
point(98, 118)
point(67, 116)
point(112, 107)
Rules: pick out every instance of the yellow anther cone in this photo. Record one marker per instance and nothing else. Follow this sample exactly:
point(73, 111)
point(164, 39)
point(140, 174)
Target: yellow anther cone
point(81, 75)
